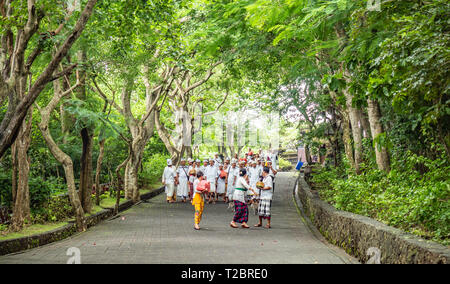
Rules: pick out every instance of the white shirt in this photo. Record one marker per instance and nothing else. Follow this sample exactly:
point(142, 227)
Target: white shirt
point(267, 194)
point(196, 182)
point(211, 174)
point(232, 173)
point(254, 175)
point(260, 168)
point(217, 161)
point(239, 195)
point(183, 172)
point(273, 158)
point(169, 175)
point(272, 173)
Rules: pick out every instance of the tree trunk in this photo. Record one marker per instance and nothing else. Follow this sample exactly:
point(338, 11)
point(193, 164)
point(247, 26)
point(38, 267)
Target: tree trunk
point(176, 151)
point(189, 152)
point(141, 131)
point(62, 157)
point(367, 133)
point(98, 171)
point(119, 181)
point(131, 176)
point(346, 137)
point(86, 180)
point(376, 127)
point(67, 163)
point(355, 122)
point(308, 154)
point(232, 151)
point(14, 171)
point(354, 113)
point(21, 207)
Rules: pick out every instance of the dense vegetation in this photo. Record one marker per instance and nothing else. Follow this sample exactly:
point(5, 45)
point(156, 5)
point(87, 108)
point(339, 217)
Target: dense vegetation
point(363, 87)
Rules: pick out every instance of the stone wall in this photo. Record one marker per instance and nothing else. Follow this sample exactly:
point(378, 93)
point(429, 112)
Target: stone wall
point(358, 235)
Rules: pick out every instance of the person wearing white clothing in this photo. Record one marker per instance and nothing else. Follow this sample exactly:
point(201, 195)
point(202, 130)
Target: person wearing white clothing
point(266, 197)
point(240, 206)
point(260, 167)
point(233, 173)
point(221, 182)
point(254, 176)
point(168, 180)
point(204, 166)
point(272, 173)
point(217, 160)
point(183, 180)
point(274, 159)
point(212, 173)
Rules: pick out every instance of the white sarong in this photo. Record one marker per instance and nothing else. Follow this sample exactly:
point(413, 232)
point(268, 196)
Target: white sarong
point(220, 185)
point(183, 188)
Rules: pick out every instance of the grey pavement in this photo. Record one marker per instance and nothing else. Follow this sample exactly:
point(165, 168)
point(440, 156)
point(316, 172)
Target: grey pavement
point(157, 232)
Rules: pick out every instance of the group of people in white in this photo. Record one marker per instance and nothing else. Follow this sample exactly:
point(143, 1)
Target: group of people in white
point(242, 182)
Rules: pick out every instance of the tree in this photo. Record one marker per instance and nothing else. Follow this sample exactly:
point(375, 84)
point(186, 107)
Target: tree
point(59, 155)
point(16, 68)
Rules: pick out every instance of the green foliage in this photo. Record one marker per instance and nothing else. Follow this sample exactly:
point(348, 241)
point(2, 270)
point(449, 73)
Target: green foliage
point(284, 165)
point(5, 188)
point(153, 168)
point(3, 228)
point(42, 190)
point(55, 209)
point(415, 201)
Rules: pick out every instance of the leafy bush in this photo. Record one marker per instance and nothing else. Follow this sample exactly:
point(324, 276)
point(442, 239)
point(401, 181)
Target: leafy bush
point(405, 198)
point(3, 228)
point(5, 187)
point(284, 165)
point(57, 208)
point(153, 168)
point(41, 190)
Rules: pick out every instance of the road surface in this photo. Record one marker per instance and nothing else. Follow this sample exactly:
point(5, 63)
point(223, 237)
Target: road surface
point(157, 232)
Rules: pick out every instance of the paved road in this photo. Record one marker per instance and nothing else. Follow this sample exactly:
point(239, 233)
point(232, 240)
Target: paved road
point(156, 232)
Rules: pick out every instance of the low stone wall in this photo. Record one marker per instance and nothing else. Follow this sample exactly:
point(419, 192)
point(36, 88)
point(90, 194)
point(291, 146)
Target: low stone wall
point(358, 235)
point(24, 243)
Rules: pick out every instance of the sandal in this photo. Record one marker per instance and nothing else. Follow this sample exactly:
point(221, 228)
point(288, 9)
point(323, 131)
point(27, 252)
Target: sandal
point(233, 226)
point(245, 226)
point(258, 225)
point(267, 227)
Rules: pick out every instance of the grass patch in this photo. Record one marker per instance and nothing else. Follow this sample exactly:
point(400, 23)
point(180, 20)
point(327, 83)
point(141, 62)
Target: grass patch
point(95, 210)
point(150, 187)
point(110, 202)
point(32, 230)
